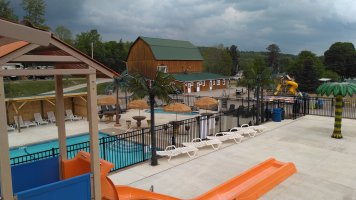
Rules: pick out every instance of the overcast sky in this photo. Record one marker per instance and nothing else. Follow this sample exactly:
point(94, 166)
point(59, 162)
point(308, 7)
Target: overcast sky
point(252, 25)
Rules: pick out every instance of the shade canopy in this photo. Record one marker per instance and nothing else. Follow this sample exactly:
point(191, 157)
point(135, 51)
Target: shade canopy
point(206, 103)
point(177, 107)
point(106, 100)
point(138, 104)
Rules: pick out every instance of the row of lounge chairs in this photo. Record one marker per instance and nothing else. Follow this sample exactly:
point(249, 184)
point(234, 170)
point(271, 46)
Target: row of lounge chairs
point(191, 148)
point(40, 121)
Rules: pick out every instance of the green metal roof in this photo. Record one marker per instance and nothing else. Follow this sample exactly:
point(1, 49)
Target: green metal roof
point(166, 49)
point(198, 76)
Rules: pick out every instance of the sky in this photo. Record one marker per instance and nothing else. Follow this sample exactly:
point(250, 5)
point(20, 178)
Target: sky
point(252, 25)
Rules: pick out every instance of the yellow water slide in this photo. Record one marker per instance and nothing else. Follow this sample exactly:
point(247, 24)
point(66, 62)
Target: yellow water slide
point(289, 83)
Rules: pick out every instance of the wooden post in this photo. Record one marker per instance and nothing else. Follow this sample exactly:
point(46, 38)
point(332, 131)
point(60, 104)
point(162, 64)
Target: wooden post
point(94, 136)
point(60, 117)
point(5, 170)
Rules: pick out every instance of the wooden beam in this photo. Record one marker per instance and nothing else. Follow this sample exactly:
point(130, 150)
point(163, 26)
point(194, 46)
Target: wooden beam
point(14, 107)
point(23, 103)
point(46, 72)
point(46, 58)
point(25, 33)
point(19, 52)
point(37, 98)
point(82, 98)
point(83, 58)
point(60, 117)
point(50, 102)
point(5, 169)
point(94, 135)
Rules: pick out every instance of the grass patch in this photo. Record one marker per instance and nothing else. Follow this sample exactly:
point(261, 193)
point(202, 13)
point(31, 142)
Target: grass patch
point(25, 88)
point(101, 88)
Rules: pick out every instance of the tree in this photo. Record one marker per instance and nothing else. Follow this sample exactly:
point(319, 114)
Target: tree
point(235, 56)
point(6, 12)
point(34, 12)
point(341, 58)
point(307, 69)
point(217, 60)
point(160, 87)
point(64, 34)
point(121, 82)
point(115, 54)
point(272, 59)
point(84, 40)
point(258, 76)
point(338, 90)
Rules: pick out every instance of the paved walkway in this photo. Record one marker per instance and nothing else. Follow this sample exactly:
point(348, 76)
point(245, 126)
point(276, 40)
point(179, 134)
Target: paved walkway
point(326, 166)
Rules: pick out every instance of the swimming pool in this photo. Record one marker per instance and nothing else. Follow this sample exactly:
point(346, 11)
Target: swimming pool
point(161, 111)
point(119, 151)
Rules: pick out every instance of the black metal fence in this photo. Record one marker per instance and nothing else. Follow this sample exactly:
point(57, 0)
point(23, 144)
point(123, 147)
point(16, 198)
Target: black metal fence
point(134, 147)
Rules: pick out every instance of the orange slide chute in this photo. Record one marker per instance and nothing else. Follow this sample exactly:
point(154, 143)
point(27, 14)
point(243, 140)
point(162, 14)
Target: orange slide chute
point(249, 185)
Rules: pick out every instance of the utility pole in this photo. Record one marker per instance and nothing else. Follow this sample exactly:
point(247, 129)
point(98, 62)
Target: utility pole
point(92, 49)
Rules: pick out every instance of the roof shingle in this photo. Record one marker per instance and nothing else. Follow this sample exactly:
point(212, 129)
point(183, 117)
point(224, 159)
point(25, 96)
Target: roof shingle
point(198, 76)
point(166, 49)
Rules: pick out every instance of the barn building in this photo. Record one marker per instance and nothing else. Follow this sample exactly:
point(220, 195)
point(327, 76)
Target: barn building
point(180, 58)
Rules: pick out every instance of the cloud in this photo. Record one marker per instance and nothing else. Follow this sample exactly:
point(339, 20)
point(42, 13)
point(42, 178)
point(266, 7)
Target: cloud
point(294, 25)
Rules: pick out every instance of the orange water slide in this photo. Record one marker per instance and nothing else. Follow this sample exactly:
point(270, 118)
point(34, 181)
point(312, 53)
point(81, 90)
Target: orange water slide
point(252, 183)
point(249, 185)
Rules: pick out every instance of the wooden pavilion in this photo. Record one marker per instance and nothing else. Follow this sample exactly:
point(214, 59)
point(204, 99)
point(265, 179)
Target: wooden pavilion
point(20, 43)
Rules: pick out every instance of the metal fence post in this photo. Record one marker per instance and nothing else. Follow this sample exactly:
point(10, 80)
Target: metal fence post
point(143, 143)
point(53, 152)
point(102, 143)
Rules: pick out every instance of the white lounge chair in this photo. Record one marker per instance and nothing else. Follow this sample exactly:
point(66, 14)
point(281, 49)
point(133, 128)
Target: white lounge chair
point(51, 117)
point(259, 128)
point(10, 128)
point(172, 150)
point(245, 130)
point(23, 124)
point(198, 143)
point(70, 116)
point(39, 120)
point(223, 136)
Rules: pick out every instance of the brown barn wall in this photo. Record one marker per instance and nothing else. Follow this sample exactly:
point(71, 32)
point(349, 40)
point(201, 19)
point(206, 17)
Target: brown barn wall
point(141, 59)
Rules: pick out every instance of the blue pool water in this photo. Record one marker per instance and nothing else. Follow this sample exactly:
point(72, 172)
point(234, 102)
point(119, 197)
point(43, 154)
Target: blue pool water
point(161, 111)
point(43, 146)
point(121, 152)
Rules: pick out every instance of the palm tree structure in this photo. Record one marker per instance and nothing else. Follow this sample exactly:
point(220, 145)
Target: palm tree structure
point(120, 82)
point(338, 90)
point(160, 88)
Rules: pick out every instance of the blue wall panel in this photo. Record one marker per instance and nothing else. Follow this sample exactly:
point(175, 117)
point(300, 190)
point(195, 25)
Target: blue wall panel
point(77, 188)
point(34, 174)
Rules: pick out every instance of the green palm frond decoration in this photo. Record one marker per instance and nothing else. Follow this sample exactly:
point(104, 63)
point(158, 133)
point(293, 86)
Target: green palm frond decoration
point(338, 90)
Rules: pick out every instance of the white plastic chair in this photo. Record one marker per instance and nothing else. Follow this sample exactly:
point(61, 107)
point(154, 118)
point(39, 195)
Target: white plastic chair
point(23, 124)
point(172, 150)
point(198, 143)
point(10, 128)
point(70, 116)
point(39, 120)
point(51, 117)
point(245, 130)
point(223, 136)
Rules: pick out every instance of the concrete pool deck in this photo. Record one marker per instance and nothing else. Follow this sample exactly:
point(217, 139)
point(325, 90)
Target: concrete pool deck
point(326, 166)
